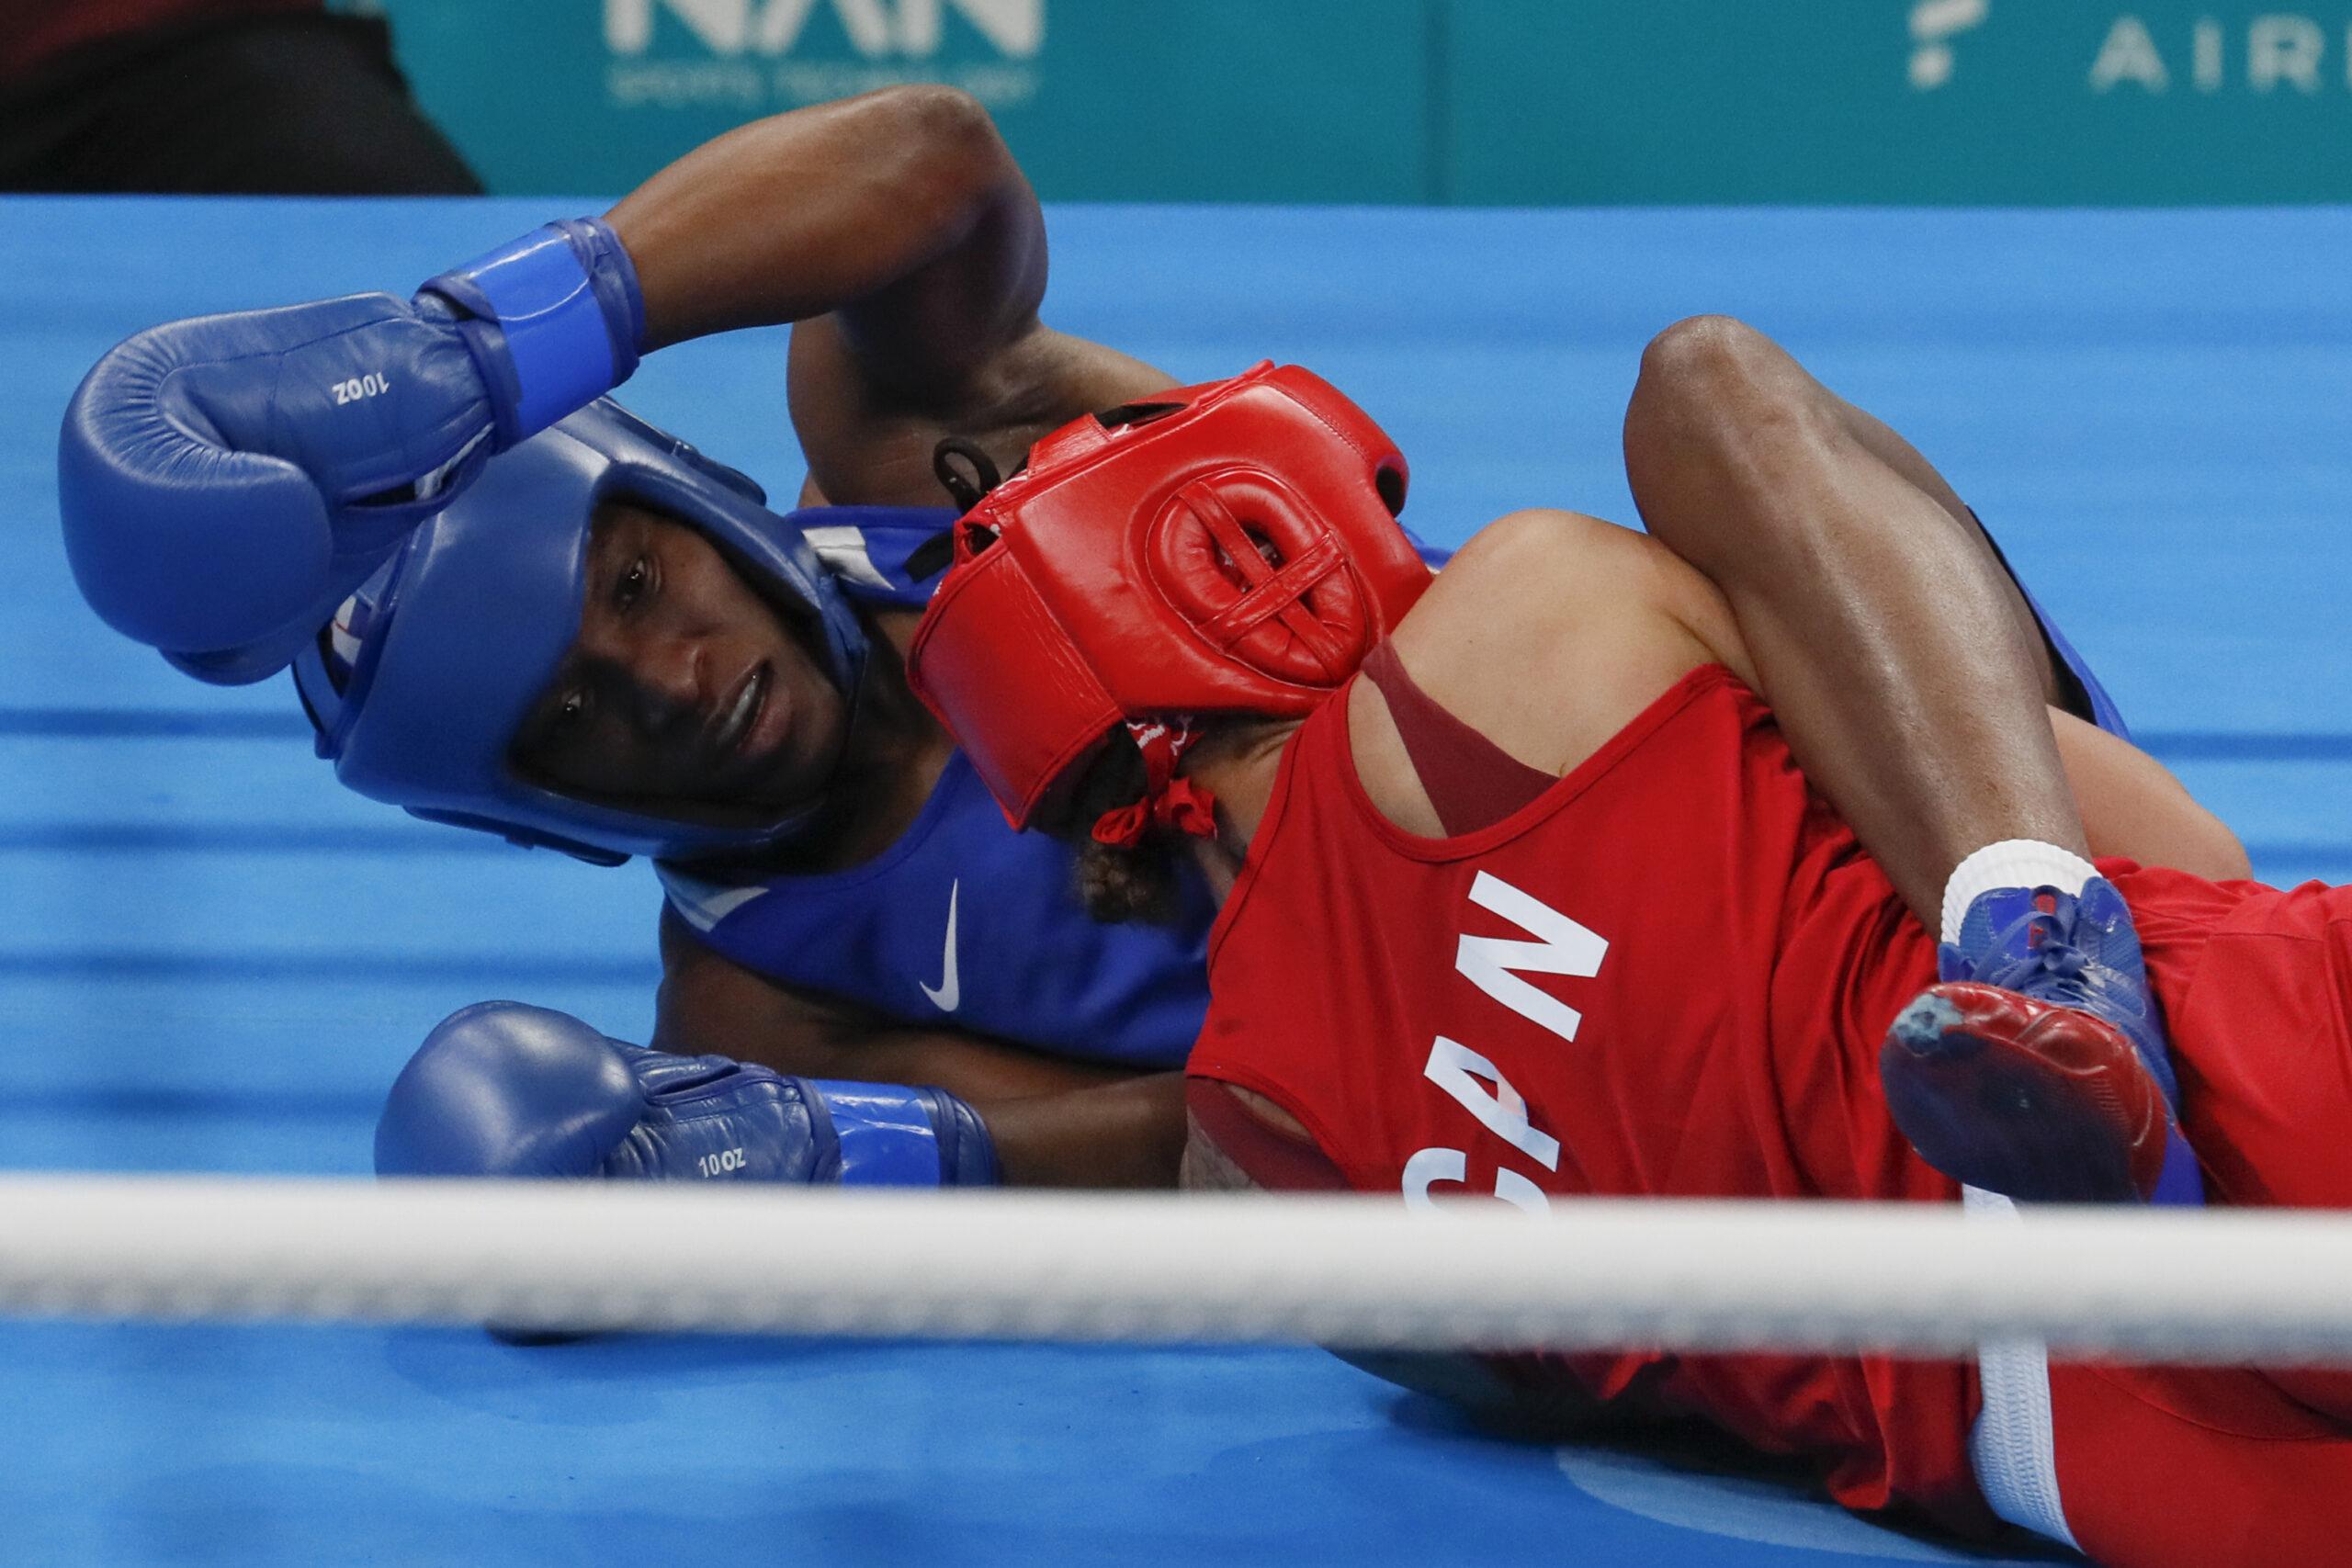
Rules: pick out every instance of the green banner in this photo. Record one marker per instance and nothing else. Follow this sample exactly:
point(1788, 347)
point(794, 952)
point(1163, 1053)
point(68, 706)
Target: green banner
point(2101, 102)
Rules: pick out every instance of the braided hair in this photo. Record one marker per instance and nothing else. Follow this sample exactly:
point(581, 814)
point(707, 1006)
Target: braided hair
point(1117, 882)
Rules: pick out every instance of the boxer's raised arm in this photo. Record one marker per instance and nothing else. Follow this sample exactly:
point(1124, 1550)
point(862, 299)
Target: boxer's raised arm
point(902, 210)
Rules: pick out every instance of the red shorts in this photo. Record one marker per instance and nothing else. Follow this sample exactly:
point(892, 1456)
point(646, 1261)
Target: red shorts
point(2177, 1467)
point(2215, 1467)
point(2256, 986)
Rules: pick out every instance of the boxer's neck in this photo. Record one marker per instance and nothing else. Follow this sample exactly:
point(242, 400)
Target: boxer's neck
point(1237, 763)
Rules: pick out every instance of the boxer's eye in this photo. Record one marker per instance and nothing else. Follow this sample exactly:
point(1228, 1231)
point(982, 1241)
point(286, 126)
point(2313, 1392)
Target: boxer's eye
point(635, 581)
point(570, 710)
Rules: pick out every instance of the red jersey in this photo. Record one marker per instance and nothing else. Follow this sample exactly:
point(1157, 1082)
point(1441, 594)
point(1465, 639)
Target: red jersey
point(1668, 974)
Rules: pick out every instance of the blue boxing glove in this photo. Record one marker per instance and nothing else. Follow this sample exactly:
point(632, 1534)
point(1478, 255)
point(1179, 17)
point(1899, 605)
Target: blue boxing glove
point(226, 481)
point(500, 1089)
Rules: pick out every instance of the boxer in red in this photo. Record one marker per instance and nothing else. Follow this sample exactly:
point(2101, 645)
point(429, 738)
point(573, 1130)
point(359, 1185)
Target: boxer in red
point(1541, 905)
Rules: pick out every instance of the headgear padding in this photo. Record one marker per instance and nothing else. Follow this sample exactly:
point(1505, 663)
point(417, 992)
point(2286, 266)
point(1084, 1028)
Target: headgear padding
point(449, 646)
point(1231, 546)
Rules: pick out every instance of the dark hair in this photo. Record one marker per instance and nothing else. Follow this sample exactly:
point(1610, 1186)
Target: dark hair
point(1116, 882)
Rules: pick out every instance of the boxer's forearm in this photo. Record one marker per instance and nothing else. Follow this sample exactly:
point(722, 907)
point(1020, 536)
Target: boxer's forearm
point(1128, 1133)
point(908, 189)
point(1055, 1123)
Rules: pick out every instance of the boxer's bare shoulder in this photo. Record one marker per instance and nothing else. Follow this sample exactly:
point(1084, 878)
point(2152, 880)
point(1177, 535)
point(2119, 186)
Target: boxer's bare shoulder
point(1548, 633)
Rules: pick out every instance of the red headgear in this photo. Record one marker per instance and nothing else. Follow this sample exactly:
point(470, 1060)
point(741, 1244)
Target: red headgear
point(1226, 547)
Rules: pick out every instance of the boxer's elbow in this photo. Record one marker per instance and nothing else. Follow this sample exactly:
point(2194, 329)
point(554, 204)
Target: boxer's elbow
point(944, 146)
point(1706, 380)
point(1718, 351)
point(1715, 405)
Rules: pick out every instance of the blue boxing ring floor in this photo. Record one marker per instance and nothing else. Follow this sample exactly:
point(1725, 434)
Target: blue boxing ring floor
point(216, 960)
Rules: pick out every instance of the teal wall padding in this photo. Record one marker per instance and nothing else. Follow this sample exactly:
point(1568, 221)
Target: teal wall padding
point(1474, 102)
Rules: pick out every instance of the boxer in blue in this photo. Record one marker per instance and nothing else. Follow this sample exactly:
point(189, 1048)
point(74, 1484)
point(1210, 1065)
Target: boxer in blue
point(511, 606)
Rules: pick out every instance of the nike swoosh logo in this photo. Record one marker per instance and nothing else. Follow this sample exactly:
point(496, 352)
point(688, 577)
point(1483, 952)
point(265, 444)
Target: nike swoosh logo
point(947, 993)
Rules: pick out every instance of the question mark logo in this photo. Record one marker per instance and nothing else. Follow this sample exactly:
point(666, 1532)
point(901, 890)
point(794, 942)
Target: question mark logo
point(1933, 24)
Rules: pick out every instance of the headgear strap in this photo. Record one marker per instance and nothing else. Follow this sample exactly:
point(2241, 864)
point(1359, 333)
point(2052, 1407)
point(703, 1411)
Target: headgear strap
point(1168, 801)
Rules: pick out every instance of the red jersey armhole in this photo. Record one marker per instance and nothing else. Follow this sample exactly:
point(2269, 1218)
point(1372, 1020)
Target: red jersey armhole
point(1471, 782)
point(1276, 1160)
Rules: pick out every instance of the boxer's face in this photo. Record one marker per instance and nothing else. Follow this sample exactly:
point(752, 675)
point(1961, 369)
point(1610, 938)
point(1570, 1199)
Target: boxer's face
point(687, 694)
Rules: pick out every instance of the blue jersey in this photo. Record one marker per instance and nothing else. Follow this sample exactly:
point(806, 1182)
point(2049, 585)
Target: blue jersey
point(961, 923)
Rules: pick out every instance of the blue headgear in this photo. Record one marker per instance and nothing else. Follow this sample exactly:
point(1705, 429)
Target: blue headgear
point(460, 633)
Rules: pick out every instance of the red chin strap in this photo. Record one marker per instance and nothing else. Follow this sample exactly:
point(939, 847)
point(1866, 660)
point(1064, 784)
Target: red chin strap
point(1226, 547)
point(1168, 801)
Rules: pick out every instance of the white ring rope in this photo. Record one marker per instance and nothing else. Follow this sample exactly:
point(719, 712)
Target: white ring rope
point(2213, 1286)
